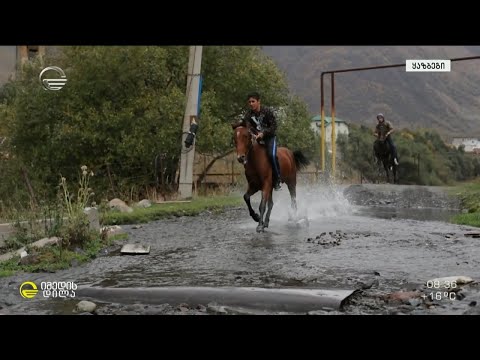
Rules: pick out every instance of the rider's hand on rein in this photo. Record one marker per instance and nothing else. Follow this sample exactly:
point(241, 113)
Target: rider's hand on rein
point(259, 136)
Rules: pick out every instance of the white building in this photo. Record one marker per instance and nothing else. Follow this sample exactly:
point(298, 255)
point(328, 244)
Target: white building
point(341, 127)
point(470, 144)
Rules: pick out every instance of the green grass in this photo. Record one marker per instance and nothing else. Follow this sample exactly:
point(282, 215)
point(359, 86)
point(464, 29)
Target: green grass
point(471, 219)
point(469, 194)
point(55, 258)
point(5, 273)
point(159, 211)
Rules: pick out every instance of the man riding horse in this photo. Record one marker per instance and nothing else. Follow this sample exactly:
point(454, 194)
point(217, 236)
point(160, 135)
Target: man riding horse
point(262, 122)
point(383, 132)
point(255, 143)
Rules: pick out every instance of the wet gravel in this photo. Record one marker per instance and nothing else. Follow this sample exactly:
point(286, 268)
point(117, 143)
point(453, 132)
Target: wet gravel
point(388, 258)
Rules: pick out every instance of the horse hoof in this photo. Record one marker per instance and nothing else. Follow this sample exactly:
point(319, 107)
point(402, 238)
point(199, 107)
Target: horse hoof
point(256, 217)
point(265, 225)
point(260, 228)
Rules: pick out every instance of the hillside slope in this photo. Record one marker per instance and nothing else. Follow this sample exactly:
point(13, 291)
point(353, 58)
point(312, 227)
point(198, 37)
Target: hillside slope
point(448, 102)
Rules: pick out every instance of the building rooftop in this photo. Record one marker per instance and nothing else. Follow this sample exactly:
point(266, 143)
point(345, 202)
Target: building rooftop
point(328, 119)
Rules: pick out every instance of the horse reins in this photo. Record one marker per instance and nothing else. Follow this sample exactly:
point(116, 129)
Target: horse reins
point(250, 146)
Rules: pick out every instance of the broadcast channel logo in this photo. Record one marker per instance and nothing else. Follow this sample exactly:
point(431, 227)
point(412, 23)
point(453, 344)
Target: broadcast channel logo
point(53, 84)
point(28, 290)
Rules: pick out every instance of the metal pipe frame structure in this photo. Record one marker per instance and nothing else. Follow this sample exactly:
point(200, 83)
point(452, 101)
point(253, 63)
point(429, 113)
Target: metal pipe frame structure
point(322, 103)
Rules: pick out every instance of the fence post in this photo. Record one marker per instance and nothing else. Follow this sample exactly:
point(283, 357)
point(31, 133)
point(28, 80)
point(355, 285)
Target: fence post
point(205, 178)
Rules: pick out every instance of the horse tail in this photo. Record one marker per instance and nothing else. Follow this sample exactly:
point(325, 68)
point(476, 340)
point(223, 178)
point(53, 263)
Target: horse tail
point(300, 160)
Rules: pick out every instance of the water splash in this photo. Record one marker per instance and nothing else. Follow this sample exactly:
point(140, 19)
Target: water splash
point(313, 202)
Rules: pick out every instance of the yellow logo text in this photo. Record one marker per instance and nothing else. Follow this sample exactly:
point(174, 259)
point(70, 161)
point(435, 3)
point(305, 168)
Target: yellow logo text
point(28, 290)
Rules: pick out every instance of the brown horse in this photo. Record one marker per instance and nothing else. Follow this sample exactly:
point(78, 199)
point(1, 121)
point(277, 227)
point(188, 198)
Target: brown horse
point(258, 172)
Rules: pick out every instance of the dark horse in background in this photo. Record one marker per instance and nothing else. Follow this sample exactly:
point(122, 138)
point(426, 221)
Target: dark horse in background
point(384, 155)
point(258, 171)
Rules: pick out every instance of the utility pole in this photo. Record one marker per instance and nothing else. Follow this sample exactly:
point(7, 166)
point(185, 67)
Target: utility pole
point(322, 129)
point(334, 135)
point(191, 115)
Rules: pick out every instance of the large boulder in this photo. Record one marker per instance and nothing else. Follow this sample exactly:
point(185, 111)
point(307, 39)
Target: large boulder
point(145, 203)
point(119, 205)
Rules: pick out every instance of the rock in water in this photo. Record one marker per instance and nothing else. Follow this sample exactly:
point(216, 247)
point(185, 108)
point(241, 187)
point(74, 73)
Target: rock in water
point(85, 306)
point(136, 249)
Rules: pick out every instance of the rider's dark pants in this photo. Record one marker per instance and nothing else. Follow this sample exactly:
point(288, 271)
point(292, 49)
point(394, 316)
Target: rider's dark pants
point(271, 144)
point(392, 146)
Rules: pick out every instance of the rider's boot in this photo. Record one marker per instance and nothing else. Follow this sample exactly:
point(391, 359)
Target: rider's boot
point(277, 178)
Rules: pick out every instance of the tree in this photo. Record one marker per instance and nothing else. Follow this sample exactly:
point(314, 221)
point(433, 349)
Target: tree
point(123, 106)
point(230, 73)
point(108, 116)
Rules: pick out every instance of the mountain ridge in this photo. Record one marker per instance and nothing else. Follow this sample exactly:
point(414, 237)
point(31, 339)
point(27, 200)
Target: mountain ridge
point(448, 102)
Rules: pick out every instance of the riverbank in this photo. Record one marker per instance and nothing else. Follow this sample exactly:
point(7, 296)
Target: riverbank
point(53, 258)
point(469, 195)
point(172, 209)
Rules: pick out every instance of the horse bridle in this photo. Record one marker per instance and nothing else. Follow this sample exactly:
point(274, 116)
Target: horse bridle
point(250, 146)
